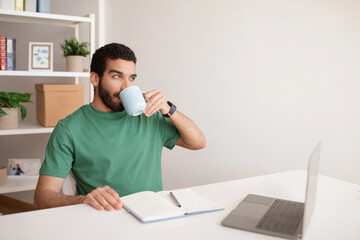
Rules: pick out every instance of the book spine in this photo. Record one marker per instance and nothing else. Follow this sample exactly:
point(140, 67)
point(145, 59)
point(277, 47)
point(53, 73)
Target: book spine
point(10, 53)
point(19, 5)
point(14, 53)
point(43, 6)
point(2, 52)
point(30, 5)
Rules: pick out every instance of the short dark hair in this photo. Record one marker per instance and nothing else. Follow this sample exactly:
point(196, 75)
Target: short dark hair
point(110, 51)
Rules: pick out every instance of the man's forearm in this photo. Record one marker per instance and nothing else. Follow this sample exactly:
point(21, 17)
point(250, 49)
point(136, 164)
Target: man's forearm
point(50, 199)
point(190, 134)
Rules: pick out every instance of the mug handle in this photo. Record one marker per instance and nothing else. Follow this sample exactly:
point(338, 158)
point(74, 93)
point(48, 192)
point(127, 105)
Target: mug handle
point(144, 96)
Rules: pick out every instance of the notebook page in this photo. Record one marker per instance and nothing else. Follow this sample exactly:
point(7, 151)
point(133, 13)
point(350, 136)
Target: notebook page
point(191, 202)
point(149, 206)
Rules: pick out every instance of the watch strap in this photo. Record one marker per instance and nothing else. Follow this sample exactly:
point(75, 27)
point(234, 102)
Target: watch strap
point(171, 111)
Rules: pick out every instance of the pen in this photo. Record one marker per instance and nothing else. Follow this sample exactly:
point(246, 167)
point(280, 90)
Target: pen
point(174, 198)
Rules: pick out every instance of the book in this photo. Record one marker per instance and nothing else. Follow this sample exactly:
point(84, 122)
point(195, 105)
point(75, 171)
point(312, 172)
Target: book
point(43, 6)
point(19, 5)
point(2, 52)
point(30, 5)
point(10, 53)
point(7, 4)
point(150, 206)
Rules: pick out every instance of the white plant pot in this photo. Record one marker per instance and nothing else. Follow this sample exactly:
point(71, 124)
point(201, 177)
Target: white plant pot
point(10, 120)
point(75, 63)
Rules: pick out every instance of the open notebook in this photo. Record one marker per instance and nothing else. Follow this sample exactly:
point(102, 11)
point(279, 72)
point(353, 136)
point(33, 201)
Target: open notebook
point(150, 206)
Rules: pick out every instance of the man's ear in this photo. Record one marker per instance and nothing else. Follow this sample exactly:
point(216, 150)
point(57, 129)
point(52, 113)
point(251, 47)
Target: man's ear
point(94, 79)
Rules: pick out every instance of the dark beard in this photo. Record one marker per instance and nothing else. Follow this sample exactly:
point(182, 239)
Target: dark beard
point(107, 99)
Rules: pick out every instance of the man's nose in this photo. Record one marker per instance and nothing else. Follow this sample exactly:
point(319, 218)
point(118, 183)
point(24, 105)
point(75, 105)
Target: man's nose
point(127, 84)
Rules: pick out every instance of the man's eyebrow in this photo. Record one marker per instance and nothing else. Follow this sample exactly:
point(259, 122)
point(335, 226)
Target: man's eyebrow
point(112, 70)
point(121, 73)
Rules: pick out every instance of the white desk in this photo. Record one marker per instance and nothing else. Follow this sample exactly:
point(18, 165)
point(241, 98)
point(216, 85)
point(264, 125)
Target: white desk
point(336, 215)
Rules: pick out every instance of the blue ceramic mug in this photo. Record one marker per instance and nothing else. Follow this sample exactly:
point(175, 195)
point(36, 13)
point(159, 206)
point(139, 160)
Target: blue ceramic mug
point(133, 100)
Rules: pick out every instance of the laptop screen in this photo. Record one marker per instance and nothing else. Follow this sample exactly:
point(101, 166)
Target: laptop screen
point(311, 186)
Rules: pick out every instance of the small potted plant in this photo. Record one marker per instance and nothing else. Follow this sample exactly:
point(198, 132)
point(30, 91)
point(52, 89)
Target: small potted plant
point(75, 53)
point(9, 105)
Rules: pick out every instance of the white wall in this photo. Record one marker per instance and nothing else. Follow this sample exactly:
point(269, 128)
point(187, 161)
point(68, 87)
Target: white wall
point(264, 80)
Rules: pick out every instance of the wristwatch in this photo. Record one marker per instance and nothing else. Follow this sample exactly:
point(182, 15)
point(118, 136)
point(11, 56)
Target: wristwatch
point(171, 111)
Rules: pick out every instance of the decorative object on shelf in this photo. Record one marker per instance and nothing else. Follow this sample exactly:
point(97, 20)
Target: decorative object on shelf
point(75, 54)
point(9, 105)
point(24, 167)
point(43, 6)
point(7, 4)
point(30, 5)
point(40, 56)
point(19, 5)
point(57, 101)
point(2, 176)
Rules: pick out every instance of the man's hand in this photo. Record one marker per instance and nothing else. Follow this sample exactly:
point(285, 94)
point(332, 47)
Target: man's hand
point(155, 102)
point(103, 198)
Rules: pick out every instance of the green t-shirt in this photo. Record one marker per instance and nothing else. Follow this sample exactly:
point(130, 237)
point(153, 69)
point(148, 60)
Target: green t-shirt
point(114, 149)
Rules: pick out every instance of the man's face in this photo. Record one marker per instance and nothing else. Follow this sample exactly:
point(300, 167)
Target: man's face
point(119, 74)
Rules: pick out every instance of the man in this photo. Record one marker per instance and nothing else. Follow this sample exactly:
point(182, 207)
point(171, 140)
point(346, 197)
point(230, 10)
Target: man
point(110, 153)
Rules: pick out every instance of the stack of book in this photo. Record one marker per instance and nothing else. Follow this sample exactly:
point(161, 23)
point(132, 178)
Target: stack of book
point(43, 6)
point(7, 53)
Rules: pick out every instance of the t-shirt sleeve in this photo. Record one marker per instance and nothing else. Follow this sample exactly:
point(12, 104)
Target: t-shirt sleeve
point(59, 153)
point(168, 132)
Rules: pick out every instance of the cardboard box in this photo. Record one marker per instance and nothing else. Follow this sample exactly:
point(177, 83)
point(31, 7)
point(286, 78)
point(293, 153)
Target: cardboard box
point(56, 101)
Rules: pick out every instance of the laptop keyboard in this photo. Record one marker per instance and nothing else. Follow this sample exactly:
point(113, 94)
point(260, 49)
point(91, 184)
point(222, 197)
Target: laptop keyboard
point(282, 217)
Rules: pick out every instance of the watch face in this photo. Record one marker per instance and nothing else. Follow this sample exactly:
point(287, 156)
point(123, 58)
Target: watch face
point(171, 111)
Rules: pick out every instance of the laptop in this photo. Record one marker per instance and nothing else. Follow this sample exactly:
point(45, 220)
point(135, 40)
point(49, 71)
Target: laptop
point(278, 217)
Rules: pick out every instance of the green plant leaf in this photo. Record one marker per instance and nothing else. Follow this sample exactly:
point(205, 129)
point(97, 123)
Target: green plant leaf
point(13, 99)
point(2, 113)
point(4, 95)
point(17, 105)
point(23, 112)
point(23, 97)
point(7, 104)
point(71, 46)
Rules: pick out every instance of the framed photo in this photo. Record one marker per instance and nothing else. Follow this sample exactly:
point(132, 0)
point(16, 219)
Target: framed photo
point(24, 167)
point(40, 56)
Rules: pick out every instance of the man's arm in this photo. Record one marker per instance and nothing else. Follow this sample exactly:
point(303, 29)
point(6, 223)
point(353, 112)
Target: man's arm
point(190, 135)
point(47, 195)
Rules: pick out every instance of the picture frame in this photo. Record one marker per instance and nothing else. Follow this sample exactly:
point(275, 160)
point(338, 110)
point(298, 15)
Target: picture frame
point(24, 167)
point(41, 56)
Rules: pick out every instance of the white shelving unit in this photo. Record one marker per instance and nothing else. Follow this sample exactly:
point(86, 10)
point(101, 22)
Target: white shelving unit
point(27, 128)
point(42, 18)
point(19, 184)
point(24, 183)
point(43, 74)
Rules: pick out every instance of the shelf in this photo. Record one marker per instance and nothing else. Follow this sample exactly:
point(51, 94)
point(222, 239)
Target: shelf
point(44, 74)
point(19, 183)
point(27, 128)
point(41, 18)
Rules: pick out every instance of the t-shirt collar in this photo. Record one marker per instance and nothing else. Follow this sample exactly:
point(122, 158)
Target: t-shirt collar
point(108, 115)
